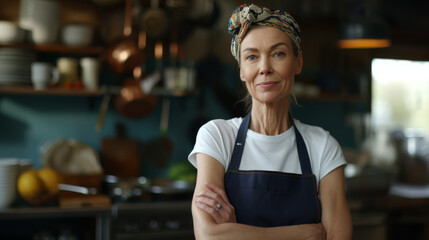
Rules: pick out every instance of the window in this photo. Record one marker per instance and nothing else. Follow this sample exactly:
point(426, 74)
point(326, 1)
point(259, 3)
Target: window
point(400, 95)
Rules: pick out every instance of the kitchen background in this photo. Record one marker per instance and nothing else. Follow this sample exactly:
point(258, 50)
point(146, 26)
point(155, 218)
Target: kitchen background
point(333, 91)
point(28, 121)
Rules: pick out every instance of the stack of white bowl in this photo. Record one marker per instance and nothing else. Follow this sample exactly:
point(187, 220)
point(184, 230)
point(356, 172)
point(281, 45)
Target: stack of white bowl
point(9, 169)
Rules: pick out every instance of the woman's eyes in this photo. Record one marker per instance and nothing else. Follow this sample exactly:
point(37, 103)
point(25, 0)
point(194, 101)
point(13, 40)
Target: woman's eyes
point(276, 54)
point(279, 54)
point(251, 57)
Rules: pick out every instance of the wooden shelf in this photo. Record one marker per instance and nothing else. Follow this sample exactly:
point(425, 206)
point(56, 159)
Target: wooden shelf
point(28, 90)
point(58, 48)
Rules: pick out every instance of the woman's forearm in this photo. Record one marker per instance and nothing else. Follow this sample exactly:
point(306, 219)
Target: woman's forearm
point(205, 230)
point(239, 231)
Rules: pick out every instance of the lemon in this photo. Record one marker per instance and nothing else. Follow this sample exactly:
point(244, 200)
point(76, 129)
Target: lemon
point(50, 179)
point(30, 186)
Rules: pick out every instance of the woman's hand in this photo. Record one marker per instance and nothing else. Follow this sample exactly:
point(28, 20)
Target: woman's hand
point(321, 232)
point(214, 201)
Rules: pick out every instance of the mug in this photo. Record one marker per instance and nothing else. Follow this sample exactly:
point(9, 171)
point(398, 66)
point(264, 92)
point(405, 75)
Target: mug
point(68, 69)
point(90, 67)
point(43, 75)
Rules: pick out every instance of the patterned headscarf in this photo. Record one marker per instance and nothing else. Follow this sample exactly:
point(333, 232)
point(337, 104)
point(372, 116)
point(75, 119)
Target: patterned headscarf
point(247, 14)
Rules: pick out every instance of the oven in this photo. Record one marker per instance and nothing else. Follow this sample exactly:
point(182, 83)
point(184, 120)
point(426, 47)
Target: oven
point(152, 220)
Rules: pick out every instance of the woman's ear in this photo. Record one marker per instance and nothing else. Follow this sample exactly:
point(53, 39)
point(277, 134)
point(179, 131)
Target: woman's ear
point(241, 75)
point(299, 64)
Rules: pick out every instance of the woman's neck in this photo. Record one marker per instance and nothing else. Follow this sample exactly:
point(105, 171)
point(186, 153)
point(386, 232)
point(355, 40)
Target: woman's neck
point(270, 119)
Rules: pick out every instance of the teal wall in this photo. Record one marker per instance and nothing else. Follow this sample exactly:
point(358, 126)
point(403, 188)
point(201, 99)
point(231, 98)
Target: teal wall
point(28, 121)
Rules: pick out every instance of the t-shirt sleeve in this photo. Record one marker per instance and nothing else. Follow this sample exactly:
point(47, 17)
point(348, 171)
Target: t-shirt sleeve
point(332, 157)
point(209, 141)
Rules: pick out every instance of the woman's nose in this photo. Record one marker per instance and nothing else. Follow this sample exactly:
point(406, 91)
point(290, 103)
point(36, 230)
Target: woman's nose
point(265, 66)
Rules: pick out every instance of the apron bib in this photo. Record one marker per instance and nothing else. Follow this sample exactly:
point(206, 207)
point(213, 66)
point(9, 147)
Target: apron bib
point(270, 198)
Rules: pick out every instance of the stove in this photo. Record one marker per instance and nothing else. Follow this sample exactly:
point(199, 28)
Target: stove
point(152, 220)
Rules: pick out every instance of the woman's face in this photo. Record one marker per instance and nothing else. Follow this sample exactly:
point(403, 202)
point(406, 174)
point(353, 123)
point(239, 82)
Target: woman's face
point(268, 65)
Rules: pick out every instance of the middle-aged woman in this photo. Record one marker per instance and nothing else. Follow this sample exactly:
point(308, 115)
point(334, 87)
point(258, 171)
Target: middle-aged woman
point(268, 176)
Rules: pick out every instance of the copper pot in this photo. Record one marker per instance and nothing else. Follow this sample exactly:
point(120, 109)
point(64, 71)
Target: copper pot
point(132, 102)
point(125, 54)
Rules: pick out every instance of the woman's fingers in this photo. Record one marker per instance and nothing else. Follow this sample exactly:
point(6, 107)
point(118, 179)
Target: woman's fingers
point(207, 200)
point(214, 201)
point(218, 190)
point(217, 197)
point(223, 195)
point(210, 210)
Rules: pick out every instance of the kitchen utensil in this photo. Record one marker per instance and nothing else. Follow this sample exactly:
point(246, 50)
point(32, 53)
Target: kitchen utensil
point(166, 189)
point(124, 55)
point(89, 74)
point(158, 152)
point(125, 188)
point(204, 13)
point(68, 68)
point(154, 21)
point(8, 178)
point(132, 102)
point(77, 35)
point(121, 155)
point(77, 189)
point(42, 17)
point(68, 199)
point(43, 75)
point(11, 33)
point(142, 188)
point(103, 111)
point(15, 66)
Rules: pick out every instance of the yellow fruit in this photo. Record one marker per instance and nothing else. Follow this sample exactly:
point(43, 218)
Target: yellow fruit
point(50, 179)
point(30, 186)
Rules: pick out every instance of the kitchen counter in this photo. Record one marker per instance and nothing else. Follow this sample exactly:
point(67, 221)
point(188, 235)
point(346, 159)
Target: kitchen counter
point(53, 212)
point(134, 220)
point(101, 216)
point(390, 217)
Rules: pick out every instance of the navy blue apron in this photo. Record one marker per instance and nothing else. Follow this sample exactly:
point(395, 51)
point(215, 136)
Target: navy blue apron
point(270, 198)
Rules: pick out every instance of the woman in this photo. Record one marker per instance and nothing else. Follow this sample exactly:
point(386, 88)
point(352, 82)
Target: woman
point(268, 176)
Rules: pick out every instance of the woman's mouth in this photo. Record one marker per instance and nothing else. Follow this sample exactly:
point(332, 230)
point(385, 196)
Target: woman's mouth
point(267, 84)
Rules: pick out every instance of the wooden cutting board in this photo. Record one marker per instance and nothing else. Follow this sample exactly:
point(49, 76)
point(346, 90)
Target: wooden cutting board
point(120, 155)
point(76, 200)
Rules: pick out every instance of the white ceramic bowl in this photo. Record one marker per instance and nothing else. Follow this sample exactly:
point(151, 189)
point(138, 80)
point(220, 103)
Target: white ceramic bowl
point(77, 35)
point(10, 33)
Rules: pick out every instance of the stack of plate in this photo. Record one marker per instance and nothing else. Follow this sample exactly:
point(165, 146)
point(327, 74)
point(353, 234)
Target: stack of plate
point(15, 66)
point(8, 177)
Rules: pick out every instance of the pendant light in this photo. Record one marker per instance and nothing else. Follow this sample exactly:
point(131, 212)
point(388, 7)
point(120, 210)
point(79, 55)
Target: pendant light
point(363, 29)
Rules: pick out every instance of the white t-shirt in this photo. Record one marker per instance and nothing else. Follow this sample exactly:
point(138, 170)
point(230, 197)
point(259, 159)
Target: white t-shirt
point(273, 153)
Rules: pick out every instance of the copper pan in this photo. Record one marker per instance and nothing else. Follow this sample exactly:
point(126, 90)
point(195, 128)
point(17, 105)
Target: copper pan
point(132, 102)
point(125, 54)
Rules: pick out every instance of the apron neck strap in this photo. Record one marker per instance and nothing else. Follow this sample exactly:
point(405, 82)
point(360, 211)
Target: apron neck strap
point(240, 140)
point(304, 159)
point(239, 144)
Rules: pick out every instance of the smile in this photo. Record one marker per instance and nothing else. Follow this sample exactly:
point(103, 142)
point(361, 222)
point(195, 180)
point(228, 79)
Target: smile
point(267, 84)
